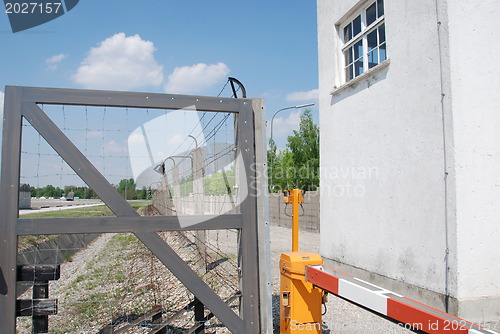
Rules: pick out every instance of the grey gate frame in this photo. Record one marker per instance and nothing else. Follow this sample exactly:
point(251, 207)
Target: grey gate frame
point(21, 102)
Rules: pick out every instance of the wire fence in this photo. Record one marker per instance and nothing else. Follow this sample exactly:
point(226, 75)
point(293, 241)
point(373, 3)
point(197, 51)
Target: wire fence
point(116, 280)
point(166, 162)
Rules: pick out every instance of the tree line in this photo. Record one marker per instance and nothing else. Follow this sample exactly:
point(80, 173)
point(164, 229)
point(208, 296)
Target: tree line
point(297, 166)
point(126, 187)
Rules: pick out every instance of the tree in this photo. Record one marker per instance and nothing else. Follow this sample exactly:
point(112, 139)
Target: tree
point(127, 188)
point(220, 183)
point(304, 146)
point(272, 160)
point(298, 165)
point(80, 192)
point(48, 191)
point(283, 171)
point(186, 185)
point(143, 193)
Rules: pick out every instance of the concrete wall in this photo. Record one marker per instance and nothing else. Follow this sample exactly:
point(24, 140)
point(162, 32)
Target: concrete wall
point(211, 205)
point(53, 252)
point(475, 91)
point(408, 152)
point(389, 128)
point(309, 219)
point(24, 200)
point(167, 203)
point(214, 205)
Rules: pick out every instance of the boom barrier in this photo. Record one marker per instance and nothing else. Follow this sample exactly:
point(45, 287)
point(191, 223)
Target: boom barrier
point(402, 310)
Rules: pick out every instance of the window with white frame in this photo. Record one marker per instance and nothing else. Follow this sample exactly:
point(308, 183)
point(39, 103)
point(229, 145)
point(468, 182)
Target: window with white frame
point(364, 40)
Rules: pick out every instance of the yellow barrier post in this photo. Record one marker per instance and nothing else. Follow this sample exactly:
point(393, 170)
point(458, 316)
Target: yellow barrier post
point(300, 301)
point(297, 199)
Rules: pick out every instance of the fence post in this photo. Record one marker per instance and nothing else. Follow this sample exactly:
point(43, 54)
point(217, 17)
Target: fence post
point(198, 196)
point(156, 321)
point(40, 322)
point(177, 188)
point(39, 307)
point(199, 316)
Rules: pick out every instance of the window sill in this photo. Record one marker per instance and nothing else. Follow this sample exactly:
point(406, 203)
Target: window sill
point(361, 77)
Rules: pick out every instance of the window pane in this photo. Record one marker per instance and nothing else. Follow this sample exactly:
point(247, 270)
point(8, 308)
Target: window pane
point(356, 26)
point(348, 32)
point(380, 7)
point(366, 48)
point(348, 56)
point(381, 33)
point(371, 14)
point(383, 53)
point(358, 49)
point(358, 67)
point(349, 73)
point(373, 58)
point(372, 40)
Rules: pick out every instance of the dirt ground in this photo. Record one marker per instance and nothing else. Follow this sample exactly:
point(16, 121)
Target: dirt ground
point(341, 317)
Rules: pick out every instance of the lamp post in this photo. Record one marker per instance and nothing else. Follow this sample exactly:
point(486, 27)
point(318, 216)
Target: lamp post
point(271, 186)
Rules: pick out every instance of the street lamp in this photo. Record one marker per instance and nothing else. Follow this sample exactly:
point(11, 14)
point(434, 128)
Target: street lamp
point(271, 140)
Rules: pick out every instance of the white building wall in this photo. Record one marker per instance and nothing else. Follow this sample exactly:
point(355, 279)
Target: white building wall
point(475, 84)
point(390, 125)
point(410, 154)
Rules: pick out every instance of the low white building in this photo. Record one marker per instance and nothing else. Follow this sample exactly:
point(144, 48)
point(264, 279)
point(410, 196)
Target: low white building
point(25, 196)
point(410, 148)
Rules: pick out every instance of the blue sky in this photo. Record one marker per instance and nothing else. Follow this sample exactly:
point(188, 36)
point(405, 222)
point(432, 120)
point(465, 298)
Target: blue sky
point(187, 47)
point(270, 46)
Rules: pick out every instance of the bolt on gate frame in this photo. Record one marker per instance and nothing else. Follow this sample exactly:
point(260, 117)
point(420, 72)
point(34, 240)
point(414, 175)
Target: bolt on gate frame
point(22, 102)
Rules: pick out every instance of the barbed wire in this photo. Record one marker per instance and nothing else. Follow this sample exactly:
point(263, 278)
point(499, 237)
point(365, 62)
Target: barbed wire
point(124, 280)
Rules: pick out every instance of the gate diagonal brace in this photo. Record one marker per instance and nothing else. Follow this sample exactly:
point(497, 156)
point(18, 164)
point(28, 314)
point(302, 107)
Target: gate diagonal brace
point(386, 303)
point(191, 280)
point(23, 103)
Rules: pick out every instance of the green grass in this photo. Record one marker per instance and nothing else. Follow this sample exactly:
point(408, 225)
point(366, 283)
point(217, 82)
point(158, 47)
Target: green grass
point(138, 204)
point(97, 296)
point(93, 211)
point(28, 241)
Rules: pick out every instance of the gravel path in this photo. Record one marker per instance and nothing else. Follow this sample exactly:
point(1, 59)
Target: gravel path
point(71, 269)
point(342, 317)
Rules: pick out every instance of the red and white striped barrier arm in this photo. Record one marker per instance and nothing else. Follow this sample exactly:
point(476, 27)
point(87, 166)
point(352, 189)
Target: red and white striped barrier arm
point(389, 304)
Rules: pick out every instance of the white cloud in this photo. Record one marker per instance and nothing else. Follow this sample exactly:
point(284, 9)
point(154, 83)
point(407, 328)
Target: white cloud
point(195, 78)
point(94, 134)
point(303, 96)
point(285, 125)
point(121, 63)
point(176, 139)
point(113, 147)
point(53, 62)
point(136, 137)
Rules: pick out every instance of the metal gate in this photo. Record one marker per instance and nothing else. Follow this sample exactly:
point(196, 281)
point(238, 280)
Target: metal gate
point(23, 103)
